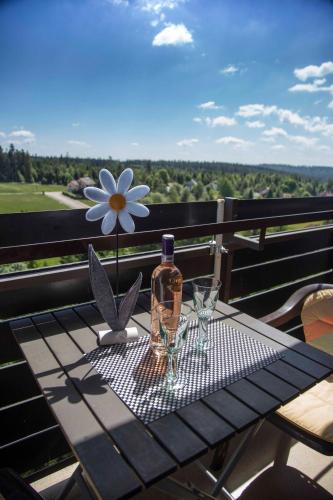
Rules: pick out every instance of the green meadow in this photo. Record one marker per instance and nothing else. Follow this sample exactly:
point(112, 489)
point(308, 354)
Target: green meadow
point(21, 197)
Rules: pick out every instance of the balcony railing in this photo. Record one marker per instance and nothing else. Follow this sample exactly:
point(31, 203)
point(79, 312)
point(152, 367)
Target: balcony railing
point(258, 274)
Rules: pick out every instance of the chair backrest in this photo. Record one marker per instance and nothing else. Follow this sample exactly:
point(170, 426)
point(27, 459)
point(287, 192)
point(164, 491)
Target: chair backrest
point(294, 305)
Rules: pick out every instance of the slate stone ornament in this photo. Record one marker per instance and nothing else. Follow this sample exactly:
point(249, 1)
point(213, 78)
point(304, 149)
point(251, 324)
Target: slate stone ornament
point(116, 202)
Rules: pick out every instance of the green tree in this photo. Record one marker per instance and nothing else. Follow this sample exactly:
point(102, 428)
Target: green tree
point(224, 188)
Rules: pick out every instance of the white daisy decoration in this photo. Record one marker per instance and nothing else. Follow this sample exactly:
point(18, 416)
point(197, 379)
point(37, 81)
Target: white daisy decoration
point(116, 200)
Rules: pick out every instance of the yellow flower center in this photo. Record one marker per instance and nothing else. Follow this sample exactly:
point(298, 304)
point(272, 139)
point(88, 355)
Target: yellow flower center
point(117, 201)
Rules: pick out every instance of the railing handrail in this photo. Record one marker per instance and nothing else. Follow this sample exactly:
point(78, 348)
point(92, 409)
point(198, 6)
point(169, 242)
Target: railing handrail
point(34, 251)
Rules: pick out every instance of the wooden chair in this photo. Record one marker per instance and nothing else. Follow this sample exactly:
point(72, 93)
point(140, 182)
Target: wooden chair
point(299, 418)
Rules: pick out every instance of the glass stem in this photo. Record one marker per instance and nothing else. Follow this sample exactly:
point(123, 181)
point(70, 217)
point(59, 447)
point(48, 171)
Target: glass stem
point(172, 367)
point(203, 329)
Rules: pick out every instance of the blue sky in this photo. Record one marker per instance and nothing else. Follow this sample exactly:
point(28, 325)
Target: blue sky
point(248, 81)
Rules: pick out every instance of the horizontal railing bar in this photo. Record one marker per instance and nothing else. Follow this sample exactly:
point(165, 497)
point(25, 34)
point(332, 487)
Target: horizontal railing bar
point(279, 260)
point(80, 246)
point(263, 302)
point(29, 436)
point(14, 364)
point(22, 402)
point(11, 281)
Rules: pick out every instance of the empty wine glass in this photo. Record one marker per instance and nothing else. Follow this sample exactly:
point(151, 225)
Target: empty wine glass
point(173, 321)
point(205, 295)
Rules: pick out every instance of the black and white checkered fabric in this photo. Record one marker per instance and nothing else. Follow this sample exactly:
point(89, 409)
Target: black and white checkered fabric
point(130, 369)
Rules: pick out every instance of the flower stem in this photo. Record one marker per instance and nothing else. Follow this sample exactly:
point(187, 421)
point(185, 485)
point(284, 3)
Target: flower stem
point(117, 262)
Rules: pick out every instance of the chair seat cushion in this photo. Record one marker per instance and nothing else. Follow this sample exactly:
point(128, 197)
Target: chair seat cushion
point(312, 411)
point(317, 314)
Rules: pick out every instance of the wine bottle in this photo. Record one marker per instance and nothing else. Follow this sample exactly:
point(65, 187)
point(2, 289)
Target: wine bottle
point(166, 285)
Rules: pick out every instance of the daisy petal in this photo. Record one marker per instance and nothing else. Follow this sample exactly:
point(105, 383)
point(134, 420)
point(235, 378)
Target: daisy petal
point(96, 194)
point(137, 209)
point(97, 212)
point(125, 180)
point(126, 221)
point(137, 192)
point(109, 222)
point(107, 181)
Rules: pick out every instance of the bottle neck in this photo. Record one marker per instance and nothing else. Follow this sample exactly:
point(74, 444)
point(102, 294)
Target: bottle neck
point(167, 258)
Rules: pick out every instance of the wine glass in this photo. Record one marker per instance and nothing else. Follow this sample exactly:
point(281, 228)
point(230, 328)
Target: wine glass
point(205, 295)
point(173, 321)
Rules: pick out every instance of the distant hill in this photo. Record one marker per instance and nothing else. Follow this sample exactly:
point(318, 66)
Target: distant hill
point(324, 173)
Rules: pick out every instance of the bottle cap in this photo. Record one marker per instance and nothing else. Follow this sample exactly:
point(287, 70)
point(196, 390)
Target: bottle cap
point(168, 244)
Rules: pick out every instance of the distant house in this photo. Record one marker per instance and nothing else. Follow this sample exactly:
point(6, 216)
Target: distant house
point(326, 193)
point(77, 186)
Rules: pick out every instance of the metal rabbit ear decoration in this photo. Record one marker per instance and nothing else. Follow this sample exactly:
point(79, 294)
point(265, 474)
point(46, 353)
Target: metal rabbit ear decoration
point(116, 203)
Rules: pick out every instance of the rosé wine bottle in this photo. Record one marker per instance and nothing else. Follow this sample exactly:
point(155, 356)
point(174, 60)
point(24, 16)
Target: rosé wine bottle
point(166, 285)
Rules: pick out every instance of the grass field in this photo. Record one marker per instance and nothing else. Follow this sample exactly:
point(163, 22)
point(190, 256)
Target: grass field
point(27, 202)
point(21, 188)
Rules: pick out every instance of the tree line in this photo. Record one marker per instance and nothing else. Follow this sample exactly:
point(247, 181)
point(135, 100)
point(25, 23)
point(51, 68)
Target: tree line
point(170, 181)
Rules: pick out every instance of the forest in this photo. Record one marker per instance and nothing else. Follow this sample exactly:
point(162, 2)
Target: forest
point(170, 181)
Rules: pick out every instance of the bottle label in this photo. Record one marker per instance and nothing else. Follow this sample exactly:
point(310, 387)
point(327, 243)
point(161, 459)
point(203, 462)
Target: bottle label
point(175, 283)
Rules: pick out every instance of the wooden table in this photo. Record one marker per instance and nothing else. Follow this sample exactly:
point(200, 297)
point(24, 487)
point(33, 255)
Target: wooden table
point(120, 455)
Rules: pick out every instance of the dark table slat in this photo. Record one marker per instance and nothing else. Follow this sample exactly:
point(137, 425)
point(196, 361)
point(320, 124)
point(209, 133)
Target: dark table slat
point(291, 375)
point(255, 398)
point(178, 438)
point(285, 339)
point(231, 409)
point(273, 385)
point(206, 423)
point(112, 477)
point(145, 455)
point(305, 364)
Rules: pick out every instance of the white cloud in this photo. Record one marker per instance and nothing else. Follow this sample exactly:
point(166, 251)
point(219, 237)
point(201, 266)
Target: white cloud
point(310, 124)
point(173, 34)
point(2, 134)
point(123, 3)
point(196, 119)
point(275, 132)
point(220, 121)
point(316, 86)
point(135, 144)
point(313, 71)
point(157, 6)
point(76, 124)
point(278, 146)
point(26, 134)
point(302, 140)
point(255, 110)
point(157, 21)
point(209, 105)
point(22, 136)
point(229, 70)
point(235, 142)
point(79, 143)
point(319, 81)
point(286, 115)
point(255, 124)
point(330, 105)
point(187, 142)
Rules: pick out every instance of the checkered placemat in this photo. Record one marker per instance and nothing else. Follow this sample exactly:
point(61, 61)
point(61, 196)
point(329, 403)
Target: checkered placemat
point(133, 373)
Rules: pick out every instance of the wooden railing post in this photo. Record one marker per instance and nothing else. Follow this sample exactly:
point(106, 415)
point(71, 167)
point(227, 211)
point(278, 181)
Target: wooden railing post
point(230, 208)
